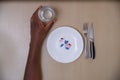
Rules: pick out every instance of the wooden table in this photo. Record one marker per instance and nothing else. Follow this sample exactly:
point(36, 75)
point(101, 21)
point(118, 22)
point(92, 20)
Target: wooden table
point(15, 37)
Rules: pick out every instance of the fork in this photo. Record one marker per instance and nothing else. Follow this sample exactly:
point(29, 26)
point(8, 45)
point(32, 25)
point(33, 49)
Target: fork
point(85, 32)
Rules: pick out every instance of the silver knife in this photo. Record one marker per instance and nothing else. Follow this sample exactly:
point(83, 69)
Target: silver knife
point(91, 39)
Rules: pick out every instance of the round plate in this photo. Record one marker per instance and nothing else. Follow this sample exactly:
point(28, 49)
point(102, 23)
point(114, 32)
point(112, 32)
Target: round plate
point(65, 44)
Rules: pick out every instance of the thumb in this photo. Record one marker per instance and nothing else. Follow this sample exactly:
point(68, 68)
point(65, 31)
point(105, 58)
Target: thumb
point(50, 24)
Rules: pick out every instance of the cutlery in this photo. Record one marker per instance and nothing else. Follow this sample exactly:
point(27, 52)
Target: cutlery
point(91, 39)
point(85, 32)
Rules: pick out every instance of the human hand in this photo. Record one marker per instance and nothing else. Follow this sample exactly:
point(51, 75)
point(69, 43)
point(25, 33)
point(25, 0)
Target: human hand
point(39, 31)
point(38, 28)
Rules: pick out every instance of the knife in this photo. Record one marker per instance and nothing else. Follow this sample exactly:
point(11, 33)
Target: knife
point(91, 39)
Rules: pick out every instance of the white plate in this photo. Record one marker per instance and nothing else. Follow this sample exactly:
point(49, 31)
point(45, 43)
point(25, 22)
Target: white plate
point(65, 44)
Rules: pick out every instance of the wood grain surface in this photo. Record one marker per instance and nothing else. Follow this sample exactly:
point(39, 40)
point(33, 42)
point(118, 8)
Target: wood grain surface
point(15, 38)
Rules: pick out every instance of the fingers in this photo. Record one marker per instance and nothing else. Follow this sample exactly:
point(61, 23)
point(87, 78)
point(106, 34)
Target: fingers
point(36, 20)
point(40, 23)
point(50, 24)
point(36, 12)
point(35, 17)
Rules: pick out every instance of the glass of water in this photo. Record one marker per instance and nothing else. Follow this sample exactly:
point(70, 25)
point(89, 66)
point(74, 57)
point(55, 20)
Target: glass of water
point(46, 14)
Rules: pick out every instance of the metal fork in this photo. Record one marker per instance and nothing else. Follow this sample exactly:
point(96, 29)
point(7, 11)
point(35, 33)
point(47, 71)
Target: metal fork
point(86, 49)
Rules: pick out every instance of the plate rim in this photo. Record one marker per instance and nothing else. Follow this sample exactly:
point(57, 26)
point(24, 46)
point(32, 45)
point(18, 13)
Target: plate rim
point(76, 31)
